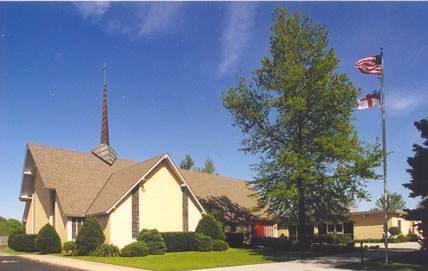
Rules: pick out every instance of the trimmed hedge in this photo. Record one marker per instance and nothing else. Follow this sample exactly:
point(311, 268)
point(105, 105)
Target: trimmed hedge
point(22, 242)
point(89, 237)
point(235, 239)
point(179, 241)
point(203, 242)
point(280, 243)
point(135, 249)
point(337, 239)
point(220, 245)
point(70, 248)
point(186, 241)
point(211, 227)
point(48, 241)
point(106, 250)
point(153, 240)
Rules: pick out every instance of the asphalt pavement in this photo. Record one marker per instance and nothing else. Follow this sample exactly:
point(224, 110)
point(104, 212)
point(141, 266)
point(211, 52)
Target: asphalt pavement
point(13, 263)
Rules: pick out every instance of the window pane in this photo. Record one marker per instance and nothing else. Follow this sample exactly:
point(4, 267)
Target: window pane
point(339, 228)
point(330, 228)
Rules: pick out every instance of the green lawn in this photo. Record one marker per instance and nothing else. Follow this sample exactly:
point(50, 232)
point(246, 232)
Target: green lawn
point(178, 261)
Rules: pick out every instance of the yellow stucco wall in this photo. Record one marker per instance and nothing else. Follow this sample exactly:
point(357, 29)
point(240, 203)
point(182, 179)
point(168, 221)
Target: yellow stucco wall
point(29, 218)
point(121, 223)
point(371, 226)
point(194, 215)
point(161, 201)
point(60, 223)
point(42, 206)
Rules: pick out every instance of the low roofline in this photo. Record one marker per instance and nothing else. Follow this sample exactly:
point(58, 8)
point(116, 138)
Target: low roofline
point(376, 212)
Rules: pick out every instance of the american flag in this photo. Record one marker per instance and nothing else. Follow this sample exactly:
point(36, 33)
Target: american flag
point(370, 65)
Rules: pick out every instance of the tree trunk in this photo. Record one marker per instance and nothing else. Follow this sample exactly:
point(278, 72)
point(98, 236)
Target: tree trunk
point(302, 214)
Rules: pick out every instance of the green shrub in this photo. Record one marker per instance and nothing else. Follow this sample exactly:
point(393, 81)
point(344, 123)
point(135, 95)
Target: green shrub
point(281, 243)
point(153, 240)
point(235, 239)
point(203, 242)
point(47, 240)
point(336, 239)
point(70, 247)
point(211, 227)
point(106, 250)
point(369, 241)
point(219, 245)
point(89, 237)
point(179, 241)
point(22, 242)
point(394, 231)
point(135, 249)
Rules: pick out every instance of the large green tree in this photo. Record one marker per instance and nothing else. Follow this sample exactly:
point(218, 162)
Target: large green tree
point(297, 116)
point(419, 181)
point(395, 202)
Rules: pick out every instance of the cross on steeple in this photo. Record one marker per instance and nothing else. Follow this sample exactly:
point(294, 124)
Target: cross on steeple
point(104, 151)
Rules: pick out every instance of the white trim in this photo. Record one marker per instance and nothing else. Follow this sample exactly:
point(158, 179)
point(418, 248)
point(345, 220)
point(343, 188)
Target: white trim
point(166, 156)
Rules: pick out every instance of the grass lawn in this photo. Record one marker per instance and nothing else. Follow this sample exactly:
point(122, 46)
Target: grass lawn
point(412, 261)
point(177, 261)
point(13, 252)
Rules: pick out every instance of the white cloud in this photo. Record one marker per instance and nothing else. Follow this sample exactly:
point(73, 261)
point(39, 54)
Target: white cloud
point(159, 17)
point(239, 20)
point(406, 101)
point(92, 9)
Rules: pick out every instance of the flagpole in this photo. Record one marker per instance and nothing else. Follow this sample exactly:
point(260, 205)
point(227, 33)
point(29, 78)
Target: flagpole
point(385, 180)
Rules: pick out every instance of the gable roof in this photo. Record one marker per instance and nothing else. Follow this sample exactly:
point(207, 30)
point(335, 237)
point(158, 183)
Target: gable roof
point(77, 177)
point(86, 185)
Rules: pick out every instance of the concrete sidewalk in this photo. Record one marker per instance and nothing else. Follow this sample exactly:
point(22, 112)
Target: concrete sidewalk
point(324, 263)
point(313, 264)
point(74, 264)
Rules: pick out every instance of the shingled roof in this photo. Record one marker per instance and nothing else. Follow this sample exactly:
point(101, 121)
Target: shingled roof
point(86, 185)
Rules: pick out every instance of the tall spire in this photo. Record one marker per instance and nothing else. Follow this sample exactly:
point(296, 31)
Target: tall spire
point(104, 151)
point(104, 119)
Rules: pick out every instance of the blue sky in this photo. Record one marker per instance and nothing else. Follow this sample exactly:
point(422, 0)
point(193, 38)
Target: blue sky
point(169, 63)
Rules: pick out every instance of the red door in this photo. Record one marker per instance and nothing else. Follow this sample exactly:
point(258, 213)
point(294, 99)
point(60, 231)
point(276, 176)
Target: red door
point(260, 230)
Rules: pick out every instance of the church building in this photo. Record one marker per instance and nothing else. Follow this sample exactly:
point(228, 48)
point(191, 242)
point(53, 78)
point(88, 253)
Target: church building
point(63, 187)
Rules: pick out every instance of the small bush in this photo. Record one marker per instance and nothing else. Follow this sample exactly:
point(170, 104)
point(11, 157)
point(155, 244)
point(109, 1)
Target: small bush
point(106, 250)
point(394, 231)
point(219, 245)
point(70, 247)
point(179, 241)
point(335, 239)
point(89, 237)
point(153, 240)
point(281, 243)
point(22, 242)
point(203, 242)
point(48, 241)
point(135, 249)
point(235, 239)
point(211, 227)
